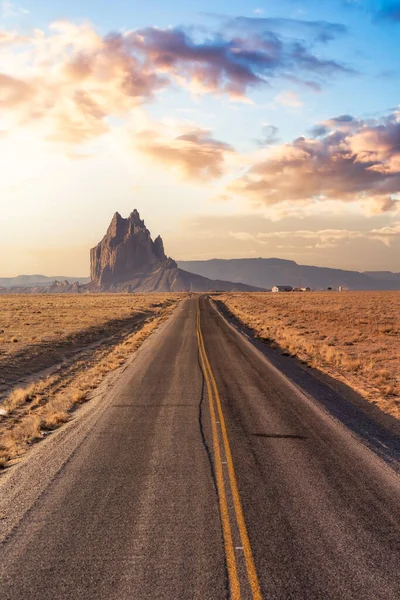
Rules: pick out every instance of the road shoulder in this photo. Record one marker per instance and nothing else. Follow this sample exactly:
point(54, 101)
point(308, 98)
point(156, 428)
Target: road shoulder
point(378, 431)
point(22, 484)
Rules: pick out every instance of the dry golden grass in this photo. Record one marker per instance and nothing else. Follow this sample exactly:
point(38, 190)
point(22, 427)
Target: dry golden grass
point(53, 329)
point(352, 336)
point(29, 411)
point(30, 393)
point(27, 320)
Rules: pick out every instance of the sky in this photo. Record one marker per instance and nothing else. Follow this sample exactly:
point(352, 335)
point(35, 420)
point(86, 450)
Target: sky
point(236, 129)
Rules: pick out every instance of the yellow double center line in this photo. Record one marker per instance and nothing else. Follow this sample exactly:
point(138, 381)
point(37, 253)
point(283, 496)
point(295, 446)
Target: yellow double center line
point(216, 408)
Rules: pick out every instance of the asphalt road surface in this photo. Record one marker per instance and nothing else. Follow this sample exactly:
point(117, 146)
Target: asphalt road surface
point(202, 474)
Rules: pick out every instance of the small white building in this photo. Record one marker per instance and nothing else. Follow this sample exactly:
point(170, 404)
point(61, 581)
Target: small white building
point(282, 288)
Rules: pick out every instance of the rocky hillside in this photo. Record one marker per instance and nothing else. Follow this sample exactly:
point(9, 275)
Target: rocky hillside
point(127, 259)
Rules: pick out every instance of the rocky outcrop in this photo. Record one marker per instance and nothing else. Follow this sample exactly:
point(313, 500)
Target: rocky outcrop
point(126, 251)
point(128, 260)
point(30, 281)
point(56, 287)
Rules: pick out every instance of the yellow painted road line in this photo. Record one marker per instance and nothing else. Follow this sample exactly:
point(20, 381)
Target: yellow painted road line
point(234, 585)
point(250, 565)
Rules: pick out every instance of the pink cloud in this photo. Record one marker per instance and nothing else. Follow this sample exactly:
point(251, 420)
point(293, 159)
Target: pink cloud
point(195, 153)
point(69, 79)
point(357, 162)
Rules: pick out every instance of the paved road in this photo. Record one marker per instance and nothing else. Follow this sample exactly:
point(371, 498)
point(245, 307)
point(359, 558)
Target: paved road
point(203, 475)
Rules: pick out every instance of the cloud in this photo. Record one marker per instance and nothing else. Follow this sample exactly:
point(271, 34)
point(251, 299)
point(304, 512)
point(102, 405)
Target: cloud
point(387, 234)
point(350, 161)
point(344, 123)
point(324, 238)
point(11, 38)
point(215, 66)
point(14, 92)
point(194, 153)
point(69, 81)
point(10, 9)
point(269, 136)
point(310, 31)
point(248, 52)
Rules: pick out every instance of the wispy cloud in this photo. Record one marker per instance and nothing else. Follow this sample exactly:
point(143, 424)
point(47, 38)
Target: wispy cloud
point(269, 136)
point(296, 29)
point(323, 238)
point(9, 10)
point(193, 152)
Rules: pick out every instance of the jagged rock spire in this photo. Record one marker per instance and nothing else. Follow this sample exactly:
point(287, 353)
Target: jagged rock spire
point(126, 251)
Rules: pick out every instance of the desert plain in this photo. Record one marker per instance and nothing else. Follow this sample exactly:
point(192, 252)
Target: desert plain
point(56, 349)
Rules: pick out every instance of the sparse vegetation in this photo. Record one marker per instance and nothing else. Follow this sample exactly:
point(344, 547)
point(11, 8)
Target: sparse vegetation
point(352, 336)
point(98, 335)
point(47, 318)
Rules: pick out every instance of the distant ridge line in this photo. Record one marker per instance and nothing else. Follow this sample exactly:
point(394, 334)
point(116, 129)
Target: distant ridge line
point(268, 272)
point(264, 273)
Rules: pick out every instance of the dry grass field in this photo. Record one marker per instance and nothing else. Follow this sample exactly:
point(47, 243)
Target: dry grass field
point(54, 350)
point(351, 336)
point(26, 320)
